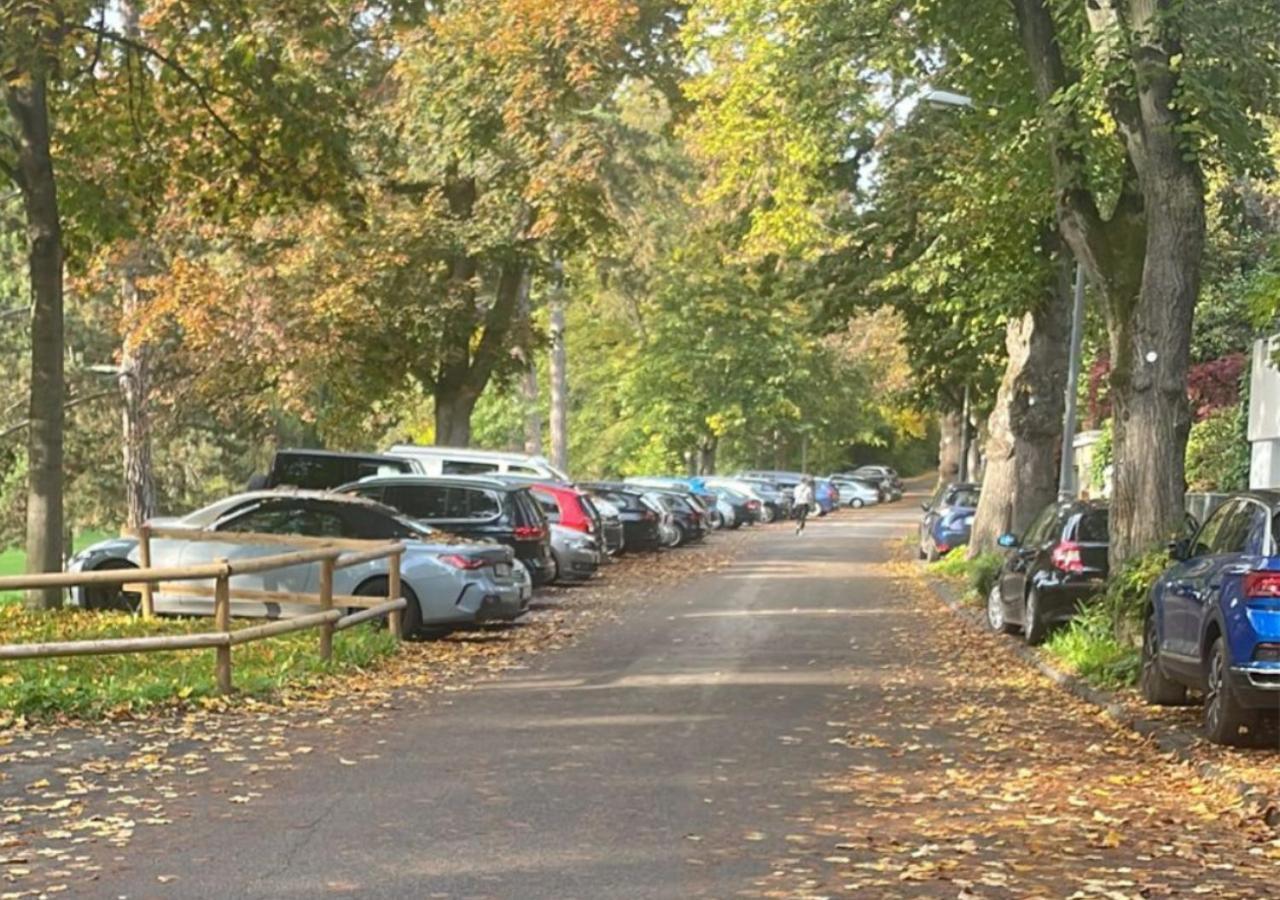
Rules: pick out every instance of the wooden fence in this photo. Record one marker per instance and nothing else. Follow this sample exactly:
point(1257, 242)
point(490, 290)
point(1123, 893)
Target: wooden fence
point(331, 618)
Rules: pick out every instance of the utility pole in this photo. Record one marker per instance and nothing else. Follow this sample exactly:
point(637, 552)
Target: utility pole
point(1067, 474)
point(559, 374)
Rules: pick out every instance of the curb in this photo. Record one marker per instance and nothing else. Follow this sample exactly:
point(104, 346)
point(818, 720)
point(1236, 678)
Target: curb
point(1267, 808)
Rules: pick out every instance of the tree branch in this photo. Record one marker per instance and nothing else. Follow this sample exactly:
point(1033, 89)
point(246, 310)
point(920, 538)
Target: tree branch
point(202, 92)
point(75, 401)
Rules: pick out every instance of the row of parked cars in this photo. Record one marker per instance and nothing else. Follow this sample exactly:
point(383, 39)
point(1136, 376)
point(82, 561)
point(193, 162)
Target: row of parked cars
point(1212, 620)
point(481, 529)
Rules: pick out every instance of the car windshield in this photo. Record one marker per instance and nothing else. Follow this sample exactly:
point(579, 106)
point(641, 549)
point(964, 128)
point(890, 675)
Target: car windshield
point(967, 497)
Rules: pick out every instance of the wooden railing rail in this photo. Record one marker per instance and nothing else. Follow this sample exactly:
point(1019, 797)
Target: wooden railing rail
point(329, 619)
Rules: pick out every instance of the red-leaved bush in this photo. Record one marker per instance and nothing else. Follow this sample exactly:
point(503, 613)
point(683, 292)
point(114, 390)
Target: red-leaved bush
point(1211, 386)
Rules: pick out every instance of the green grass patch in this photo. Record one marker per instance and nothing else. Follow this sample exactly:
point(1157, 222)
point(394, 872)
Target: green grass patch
point(89, 687)
point(13, 561)
point(977, 574)
point(1090, 647)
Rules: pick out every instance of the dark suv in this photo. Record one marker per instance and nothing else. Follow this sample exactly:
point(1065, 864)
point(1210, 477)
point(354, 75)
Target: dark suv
point(476, 507)
point(323, 470)
point(1060, 562)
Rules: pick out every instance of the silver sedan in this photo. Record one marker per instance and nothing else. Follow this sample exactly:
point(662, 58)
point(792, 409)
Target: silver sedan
point(448, 582)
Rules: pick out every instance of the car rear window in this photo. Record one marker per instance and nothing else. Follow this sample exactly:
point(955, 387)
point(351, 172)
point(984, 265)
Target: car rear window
point(1093, 528)
point(472, 503)
point(466, 467)
point(962, 497)
point(309, 472)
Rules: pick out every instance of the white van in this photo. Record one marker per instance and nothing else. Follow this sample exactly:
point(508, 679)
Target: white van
point(466, 461)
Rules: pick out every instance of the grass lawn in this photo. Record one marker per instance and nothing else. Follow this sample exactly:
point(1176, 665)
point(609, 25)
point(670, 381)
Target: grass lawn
point(13, 560)
point(94, 686)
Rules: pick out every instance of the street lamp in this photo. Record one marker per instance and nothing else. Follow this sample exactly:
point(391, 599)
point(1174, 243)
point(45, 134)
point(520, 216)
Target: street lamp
point(1067, 472)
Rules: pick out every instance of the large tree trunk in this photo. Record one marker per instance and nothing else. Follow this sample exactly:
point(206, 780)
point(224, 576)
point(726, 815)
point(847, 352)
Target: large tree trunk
point(559, 377)
point(1025, 428)
point(139, 482)
point(28, 107)
point(950, 440)
point(1145, 258)
point(453, 416)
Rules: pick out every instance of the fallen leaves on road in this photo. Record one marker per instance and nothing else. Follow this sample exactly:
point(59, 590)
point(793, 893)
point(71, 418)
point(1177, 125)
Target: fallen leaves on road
point(73, 796)
point(971, 775)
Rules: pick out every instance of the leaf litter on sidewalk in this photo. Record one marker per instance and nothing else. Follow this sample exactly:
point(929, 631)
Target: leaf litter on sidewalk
point(73, 796)
point(971, 775)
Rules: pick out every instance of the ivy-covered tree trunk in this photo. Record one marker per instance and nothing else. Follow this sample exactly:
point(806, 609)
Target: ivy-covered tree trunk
point(1144, 256)
point(28, 106)
point(1025, 428)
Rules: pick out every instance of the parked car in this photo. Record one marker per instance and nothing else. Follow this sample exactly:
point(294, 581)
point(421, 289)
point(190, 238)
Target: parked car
point(1213, 624)
point(687, 518)
point(433, 460)
point(640, 518)
point(738, 507)
point(856, 493)
point(449, 582)
point(1058, 564)
point(470, 506)
point(577, 554)
point(776, 502)
point(322, 470)
point(826, 495)
point(705, 499)
point(611, 530)
point(948, 519)
point(884, 476)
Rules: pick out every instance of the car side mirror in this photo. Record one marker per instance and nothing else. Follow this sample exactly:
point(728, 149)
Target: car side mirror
point(1008, 540)
point(1180, 549)
point(925, 506)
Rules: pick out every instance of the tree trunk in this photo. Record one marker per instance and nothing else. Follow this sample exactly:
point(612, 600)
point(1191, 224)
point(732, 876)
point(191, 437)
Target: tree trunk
point(949, 441)
point(977, 445)
point(559, 378)
point(453, 416)
point(529, 381)
point(707, 456)
point(28, 107)
point(1025, 428)
point(1145, 258)
point(139, 482)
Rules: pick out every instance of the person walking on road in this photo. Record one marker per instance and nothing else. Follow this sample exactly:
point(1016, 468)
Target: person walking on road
point(803, 501)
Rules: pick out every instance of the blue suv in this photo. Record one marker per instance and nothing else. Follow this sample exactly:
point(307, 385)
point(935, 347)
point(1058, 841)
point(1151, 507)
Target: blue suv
point(1214, 621)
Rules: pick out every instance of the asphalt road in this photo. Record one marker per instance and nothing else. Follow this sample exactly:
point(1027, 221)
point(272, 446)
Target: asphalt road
point(669, 754)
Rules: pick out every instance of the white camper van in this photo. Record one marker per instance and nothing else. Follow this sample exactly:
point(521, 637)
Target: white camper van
point(466, 461)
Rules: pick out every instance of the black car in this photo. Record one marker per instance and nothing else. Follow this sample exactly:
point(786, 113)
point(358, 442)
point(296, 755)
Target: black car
point(777, 502)
point(746, 509)
point(687, 515)
point(324, 470)
point(474, 506)
point(639, 519)
point(1059, 563)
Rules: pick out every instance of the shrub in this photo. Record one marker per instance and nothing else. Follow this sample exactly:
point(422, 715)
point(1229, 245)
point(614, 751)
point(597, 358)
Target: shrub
point(1125, 601)
point(1218, 452)
point(983, 571)
point(978, 574)
point(1089, 645)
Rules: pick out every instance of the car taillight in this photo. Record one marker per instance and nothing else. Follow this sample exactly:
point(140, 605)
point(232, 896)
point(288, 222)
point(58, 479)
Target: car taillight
point(753, 504)
point(1066, 556)
point(529, 533)
point(1262, 584)
point(458, 561)
point(649, 515)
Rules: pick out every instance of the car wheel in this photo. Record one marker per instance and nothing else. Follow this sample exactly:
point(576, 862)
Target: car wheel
point(995, 612)
point(921, 553)
point(1156, 687)
point(767, 515)
point(411, 616)
point(110, 596)
point(857, 503)
point(682, 536)
point(1223, 714)
point(932, 553)
point(1034, 627)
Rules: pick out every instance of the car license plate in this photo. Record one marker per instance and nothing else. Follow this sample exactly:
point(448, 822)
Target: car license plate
point(503, 569)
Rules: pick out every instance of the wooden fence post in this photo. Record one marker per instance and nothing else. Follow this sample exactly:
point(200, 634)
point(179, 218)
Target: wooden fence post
point(144, 561)
point(326, 604)
point(393, 593)
point(222, 622)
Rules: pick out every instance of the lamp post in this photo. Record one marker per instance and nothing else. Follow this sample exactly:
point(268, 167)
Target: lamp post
point(1066, 474)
